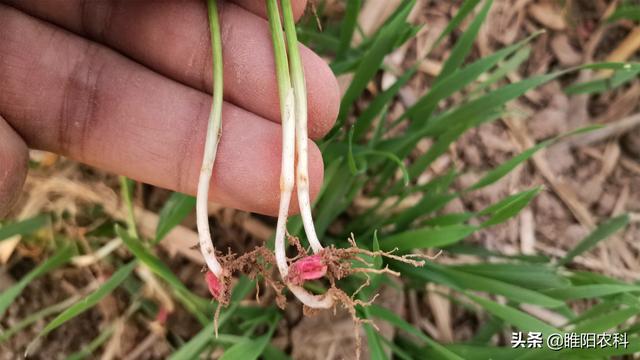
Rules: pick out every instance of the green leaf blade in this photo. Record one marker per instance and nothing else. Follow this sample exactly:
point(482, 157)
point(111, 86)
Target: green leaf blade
point(92, 299)
point(427, 237)
point(24, 227)
point(60, 258)
point(601, 233)
point(513, 316)
point(465, 43)
point(173, 212)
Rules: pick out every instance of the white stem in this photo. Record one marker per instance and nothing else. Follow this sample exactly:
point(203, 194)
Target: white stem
point(289, 109)
point(202, 196)
point(300, 92)
point(286, 182)
point(313, 301)
point(302, 173)
point(211, 146)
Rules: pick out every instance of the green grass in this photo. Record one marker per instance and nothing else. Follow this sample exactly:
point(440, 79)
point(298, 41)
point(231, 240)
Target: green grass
point(359, 160)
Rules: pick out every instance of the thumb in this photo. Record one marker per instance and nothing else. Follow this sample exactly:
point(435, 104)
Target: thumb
point(13, 166)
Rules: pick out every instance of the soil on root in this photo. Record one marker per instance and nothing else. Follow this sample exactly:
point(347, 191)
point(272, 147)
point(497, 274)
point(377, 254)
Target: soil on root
point(330, 263)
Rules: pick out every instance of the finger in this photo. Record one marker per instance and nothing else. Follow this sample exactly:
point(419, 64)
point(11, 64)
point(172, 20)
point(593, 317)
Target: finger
point(259, 7)
point(172, 38)
point(13, 166)
point(67, 95)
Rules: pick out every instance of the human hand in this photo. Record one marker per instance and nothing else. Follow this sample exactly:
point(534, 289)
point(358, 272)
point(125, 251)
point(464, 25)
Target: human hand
point(124, 86)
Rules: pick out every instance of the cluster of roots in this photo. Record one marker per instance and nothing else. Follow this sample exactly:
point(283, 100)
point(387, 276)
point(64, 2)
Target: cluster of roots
point(258, 262)
point(330, 263)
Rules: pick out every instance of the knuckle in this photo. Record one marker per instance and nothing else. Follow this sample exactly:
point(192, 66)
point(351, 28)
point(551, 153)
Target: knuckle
point(96, 17)
point(81, 101)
